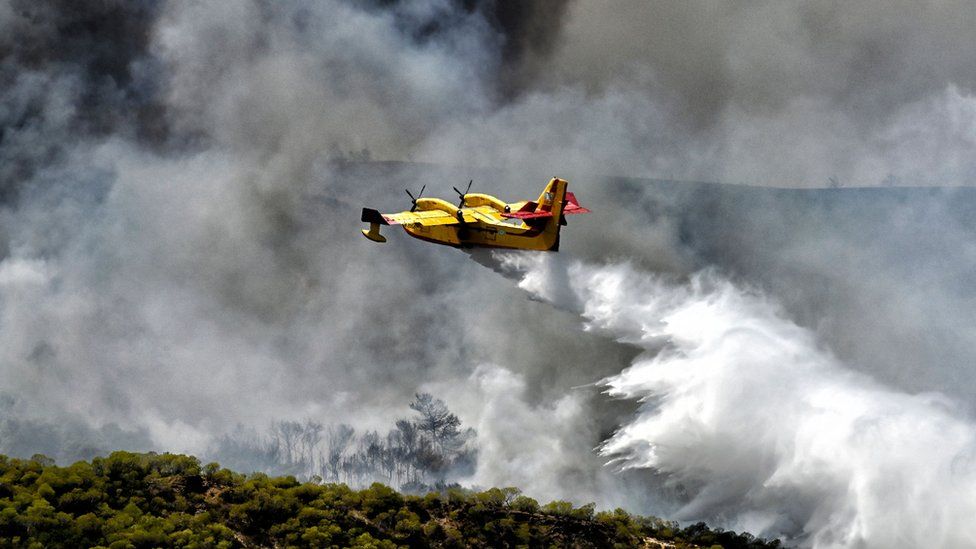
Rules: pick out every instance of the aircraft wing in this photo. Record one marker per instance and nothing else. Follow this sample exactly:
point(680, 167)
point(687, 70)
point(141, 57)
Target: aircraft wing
point(427, 218)
point(527, 215)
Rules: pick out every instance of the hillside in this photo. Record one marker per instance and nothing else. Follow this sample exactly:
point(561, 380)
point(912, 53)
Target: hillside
point(150, 500)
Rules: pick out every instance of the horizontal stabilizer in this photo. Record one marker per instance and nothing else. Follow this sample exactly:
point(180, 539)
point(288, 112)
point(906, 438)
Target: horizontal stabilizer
point(529, 210)
point(572, 205)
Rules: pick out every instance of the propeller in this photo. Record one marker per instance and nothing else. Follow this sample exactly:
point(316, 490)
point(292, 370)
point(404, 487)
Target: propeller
point(460, 194)
point(413, 200)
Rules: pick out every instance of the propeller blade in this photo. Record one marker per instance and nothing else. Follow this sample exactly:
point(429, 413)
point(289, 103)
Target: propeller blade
point(461, 195)
point(413, 201)
point(422, 190)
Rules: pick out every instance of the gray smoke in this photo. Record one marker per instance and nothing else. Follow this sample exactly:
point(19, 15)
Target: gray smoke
point(766, 93)
point(181, 185)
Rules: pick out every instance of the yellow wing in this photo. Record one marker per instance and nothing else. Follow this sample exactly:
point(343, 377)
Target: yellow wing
point(427, 218)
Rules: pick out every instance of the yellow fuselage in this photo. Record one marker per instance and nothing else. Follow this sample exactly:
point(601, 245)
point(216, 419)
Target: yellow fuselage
point(483, 225)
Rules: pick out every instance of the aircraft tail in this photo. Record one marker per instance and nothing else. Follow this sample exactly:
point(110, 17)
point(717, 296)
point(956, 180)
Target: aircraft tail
point(553, 199)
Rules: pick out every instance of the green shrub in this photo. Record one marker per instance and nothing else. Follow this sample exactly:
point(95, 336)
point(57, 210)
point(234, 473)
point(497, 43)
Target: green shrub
point(149, 500)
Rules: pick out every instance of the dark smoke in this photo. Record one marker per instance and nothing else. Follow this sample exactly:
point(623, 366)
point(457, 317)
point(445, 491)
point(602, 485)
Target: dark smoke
point(77, 70)
point(527, 33)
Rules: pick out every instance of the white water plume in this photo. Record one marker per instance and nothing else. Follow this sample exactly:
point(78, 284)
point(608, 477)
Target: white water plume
point(764, 428)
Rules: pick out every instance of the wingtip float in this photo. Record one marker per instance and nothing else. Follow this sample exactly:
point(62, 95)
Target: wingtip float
point(481, 220)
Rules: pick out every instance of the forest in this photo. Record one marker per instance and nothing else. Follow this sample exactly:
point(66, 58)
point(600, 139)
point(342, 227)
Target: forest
point(129, 500)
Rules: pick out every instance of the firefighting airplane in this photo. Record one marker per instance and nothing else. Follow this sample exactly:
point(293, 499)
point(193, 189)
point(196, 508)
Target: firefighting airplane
point(481, 220)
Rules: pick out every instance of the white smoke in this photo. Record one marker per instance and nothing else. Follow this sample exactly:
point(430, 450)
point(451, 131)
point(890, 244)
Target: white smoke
point(764, 427)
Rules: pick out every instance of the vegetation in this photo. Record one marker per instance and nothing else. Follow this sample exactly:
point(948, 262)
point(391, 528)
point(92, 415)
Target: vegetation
point(150, 500)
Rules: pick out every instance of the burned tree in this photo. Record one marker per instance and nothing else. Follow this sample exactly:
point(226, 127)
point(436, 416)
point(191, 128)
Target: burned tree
point(417, 452)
